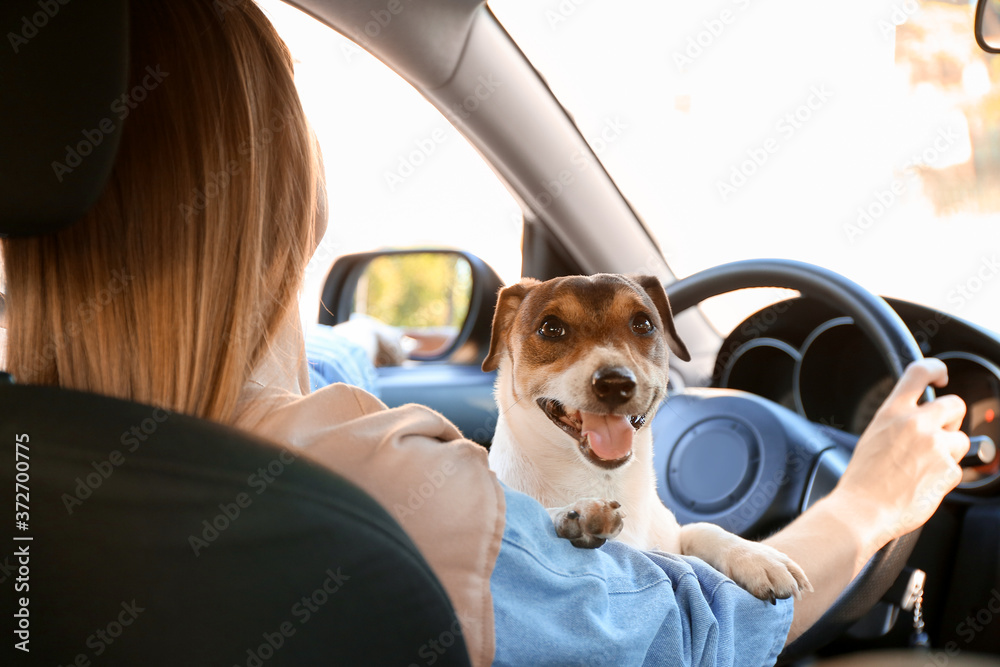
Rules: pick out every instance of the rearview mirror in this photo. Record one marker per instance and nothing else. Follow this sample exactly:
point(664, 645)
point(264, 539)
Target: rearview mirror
point(988, 25)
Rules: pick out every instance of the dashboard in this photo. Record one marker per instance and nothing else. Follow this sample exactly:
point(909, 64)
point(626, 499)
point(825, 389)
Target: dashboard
point(810, 358)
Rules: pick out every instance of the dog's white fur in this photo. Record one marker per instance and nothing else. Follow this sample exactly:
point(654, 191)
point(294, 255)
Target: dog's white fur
point(531, 454)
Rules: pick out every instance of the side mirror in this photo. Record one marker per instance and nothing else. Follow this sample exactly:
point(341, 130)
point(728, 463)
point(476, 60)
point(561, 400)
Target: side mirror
point(988, 25)
point(433, 305)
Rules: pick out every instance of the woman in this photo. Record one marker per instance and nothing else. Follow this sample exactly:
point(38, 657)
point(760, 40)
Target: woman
point(204, 230)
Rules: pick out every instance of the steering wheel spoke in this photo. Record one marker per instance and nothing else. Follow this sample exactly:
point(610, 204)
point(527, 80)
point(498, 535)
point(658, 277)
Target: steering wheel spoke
point(736, 460)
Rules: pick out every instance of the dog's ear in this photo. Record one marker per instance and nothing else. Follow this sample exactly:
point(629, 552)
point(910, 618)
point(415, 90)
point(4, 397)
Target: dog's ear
point(507, 304)
point(654, 288)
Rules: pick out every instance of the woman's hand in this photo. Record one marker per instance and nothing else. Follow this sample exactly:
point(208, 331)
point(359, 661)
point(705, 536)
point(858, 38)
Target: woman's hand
point(906, 460)
point(902, 467)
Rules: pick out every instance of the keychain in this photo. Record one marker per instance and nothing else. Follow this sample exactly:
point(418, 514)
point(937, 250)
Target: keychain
point(919, 638)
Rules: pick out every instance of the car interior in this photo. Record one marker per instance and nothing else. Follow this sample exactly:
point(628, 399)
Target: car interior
point(797, 381)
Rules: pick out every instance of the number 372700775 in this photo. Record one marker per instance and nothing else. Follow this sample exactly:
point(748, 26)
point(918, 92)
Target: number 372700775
point(22, 466)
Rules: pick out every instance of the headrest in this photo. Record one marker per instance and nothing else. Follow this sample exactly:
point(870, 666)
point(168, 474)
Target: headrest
point(63, 73)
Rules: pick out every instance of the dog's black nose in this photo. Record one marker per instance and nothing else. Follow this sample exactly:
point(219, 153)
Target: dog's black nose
point(613, 385)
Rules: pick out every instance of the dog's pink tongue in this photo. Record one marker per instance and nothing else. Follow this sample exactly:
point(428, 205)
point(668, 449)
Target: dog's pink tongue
point(610, 436)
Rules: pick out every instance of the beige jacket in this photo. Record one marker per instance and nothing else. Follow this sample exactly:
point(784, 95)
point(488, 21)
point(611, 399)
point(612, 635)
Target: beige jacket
point(411, 460)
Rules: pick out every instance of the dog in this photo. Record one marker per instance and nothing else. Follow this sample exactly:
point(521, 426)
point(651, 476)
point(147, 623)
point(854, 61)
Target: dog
point(583, 368)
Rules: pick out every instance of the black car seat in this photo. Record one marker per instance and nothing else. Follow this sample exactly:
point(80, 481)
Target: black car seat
point(132, 536)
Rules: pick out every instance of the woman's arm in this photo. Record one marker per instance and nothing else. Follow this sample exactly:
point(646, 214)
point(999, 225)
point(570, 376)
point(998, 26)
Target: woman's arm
point(902, 467)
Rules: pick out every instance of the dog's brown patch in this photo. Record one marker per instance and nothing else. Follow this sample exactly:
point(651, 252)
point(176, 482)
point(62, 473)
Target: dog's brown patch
point(596, 311)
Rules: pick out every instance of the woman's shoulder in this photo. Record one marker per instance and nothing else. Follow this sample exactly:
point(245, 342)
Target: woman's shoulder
point(351, 413)
point(417, 465)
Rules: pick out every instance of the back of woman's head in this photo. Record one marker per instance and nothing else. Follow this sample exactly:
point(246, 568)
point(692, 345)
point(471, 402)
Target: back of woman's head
point(173, 286)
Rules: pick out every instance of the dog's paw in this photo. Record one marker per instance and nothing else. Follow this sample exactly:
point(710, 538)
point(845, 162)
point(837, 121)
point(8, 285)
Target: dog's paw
point(590, 522)
point(762, 570)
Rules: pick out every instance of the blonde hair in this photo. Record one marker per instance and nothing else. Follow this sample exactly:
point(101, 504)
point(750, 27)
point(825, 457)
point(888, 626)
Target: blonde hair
point(171, 289)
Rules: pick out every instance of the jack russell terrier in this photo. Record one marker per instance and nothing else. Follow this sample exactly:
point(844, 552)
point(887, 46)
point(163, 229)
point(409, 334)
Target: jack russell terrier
point(582, 370)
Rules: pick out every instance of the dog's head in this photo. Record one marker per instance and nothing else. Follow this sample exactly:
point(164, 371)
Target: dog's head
point(591, 353)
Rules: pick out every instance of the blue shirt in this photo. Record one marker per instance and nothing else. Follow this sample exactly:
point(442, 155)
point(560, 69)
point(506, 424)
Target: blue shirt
point(555, 604)
point(333, 358)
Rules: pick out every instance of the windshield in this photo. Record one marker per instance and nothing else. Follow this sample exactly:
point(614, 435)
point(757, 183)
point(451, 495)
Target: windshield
point(860, 136)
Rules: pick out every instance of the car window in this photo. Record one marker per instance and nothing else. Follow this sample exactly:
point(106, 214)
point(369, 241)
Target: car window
point(398, 174)
point(861, 136)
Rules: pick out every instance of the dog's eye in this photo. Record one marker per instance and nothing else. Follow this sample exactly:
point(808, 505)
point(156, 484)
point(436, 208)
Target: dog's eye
point(552, 327)
point(641, 325)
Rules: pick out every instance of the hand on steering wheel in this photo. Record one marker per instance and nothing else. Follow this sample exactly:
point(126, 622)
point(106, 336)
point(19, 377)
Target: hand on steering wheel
point(907, 458)
point(777, 463)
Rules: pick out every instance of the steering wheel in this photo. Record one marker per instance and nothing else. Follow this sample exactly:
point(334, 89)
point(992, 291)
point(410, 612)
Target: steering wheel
point(742, 461)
